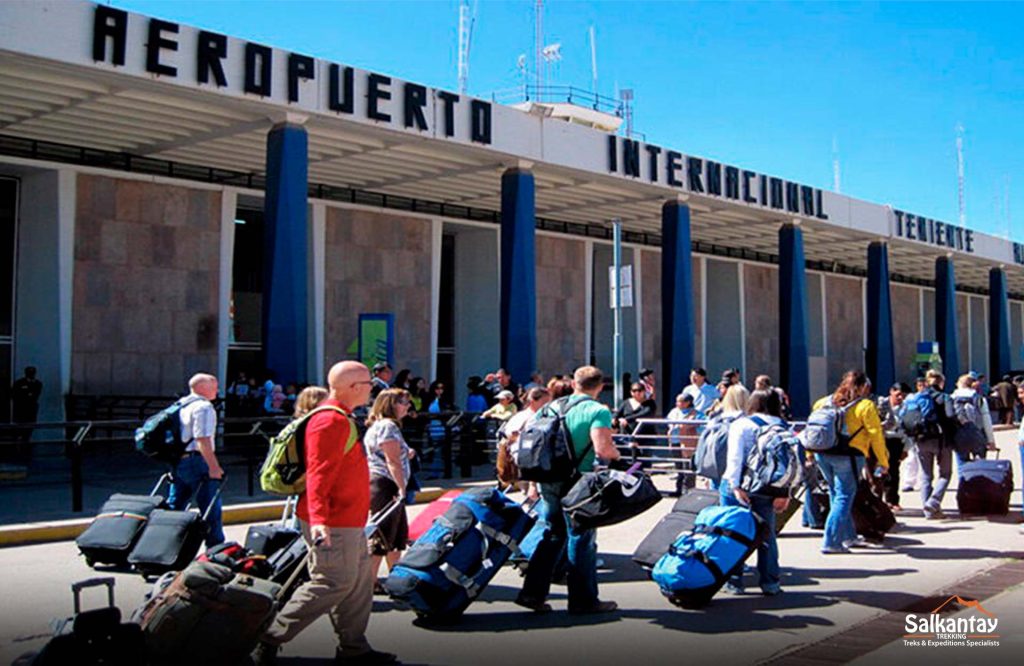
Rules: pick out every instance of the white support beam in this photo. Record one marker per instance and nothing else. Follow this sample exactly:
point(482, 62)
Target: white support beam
point(228, 208)
point(195, 139)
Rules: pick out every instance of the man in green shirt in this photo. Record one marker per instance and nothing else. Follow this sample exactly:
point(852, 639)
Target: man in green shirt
point(588, 422)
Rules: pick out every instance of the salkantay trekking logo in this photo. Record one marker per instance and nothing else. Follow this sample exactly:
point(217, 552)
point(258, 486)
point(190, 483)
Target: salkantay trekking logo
point(933, 630)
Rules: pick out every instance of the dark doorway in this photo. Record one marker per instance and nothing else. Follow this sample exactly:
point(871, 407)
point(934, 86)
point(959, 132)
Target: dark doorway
point(446, 316)
point(245, 337)
point(8, 261)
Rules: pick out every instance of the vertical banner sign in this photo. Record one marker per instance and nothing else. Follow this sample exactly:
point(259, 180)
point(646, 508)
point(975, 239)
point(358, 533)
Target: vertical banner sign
point(376, 338)
point(625, 286)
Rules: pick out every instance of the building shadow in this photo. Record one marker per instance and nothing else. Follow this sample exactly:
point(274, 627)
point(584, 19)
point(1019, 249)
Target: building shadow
point(802, 577)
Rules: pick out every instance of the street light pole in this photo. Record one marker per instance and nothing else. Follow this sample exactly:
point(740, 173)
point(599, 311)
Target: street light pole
point(617, 305)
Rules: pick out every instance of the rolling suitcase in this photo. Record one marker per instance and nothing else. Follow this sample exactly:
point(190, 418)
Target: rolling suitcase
point(451, 564)
point(110, 537)
point(681, 519)
point(422, 522)
point(94, 636)
point(699, 562)
point(872, 517)
point(268, 539)
point(170, 540)
point(207, 614)
point(985, 488)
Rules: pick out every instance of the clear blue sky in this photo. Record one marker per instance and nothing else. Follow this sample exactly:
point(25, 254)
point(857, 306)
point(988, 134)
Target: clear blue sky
point(764, 85)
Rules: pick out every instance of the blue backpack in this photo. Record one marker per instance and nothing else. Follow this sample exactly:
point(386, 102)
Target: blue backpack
point(919, 415)
point(700, 561)
point(451, 564)
point(773, 466)
point(709, 458)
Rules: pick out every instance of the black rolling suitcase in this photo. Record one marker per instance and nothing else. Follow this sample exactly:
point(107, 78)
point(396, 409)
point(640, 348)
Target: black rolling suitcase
point(268, 539)
point(170, 540)
point(110, 537)
point(94, 636)
point(871, 516)
point(985, 488)
point(681, 519)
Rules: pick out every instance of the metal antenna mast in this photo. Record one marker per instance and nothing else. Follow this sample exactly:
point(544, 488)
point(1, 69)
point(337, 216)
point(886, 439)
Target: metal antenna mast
point(466, 21)
point(593, 58)
point(835, 166)
point(960, 171)
point(538, 44)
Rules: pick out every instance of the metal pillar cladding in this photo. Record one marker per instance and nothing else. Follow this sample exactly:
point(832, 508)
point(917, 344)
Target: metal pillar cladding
point(793, 360)
point(677, 324)
point(518, 275)
point(998, 325)
point(617, 351)
point(945, 320)
point(286, 256)
point(881, 366)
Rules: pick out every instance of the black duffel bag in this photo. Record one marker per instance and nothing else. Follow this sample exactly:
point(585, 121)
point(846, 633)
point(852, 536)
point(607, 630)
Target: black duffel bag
point(607, 497)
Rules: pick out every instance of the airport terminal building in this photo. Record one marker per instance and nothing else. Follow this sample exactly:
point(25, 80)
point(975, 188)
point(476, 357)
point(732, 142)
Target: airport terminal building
point(175, 200)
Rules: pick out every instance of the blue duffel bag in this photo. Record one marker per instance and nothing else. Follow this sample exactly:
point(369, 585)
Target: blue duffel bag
point(700, 561)
point(451, 564)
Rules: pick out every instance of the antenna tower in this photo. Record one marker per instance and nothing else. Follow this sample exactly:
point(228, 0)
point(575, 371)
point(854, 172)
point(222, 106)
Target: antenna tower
point(835, 166)
point(960, 171)
point(626, 95)
point(466, 21)
point(538, 45)
point(593, 58)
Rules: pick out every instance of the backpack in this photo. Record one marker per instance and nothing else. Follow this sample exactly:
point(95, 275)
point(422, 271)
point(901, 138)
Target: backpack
point(160, 435)
point(968, 439)
point(919, 415)
point(826, 429)
point(773, 466)
point(284, 469)
point(546, 453)
point(712, 446)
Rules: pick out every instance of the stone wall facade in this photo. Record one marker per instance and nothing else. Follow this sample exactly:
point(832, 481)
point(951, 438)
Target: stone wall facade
point(561, 304)
point(146, 280)
point(651, 300)
point(906, 329)
point(761, 315)
point(844, 312)
point(380, 263)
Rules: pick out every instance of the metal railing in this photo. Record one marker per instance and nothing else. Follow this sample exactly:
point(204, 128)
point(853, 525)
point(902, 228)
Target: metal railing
point(442, 442)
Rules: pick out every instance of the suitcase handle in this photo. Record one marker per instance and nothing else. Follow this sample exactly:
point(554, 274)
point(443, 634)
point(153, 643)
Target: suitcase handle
point(76, 589)
point(164, 477)
point(216, 495)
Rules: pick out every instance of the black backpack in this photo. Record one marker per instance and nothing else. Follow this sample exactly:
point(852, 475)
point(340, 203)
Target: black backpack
point(546, 453)
point(160, 436)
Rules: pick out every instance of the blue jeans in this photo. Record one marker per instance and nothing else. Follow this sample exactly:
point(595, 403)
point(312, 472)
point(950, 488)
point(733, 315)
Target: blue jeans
point(579, 546)
point(768, 552)
point(842, 473)
point(191, 477)
point(932, 453)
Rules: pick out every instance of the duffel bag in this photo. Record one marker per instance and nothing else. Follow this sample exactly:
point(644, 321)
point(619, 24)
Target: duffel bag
point(451, 564)
point(699, 562)
point(607, 497)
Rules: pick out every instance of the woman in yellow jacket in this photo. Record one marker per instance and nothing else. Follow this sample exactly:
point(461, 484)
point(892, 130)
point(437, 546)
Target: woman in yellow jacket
point(842, 466)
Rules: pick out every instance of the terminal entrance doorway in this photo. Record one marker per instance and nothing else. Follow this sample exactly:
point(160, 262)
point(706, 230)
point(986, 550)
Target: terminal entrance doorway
point(8, 260)
point(245, 337)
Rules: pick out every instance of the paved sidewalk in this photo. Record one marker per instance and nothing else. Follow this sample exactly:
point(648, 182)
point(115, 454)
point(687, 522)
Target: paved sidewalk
point(824, 597)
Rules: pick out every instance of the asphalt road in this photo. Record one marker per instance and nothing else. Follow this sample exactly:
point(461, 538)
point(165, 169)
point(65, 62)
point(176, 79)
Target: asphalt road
point(824, 596)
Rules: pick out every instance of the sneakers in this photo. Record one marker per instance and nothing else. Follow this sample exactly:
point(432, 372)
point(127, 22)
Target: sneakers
point(596, 608)
point(265, 654)
point(933, 511)
point(366, 658)
point(835, 551)
point(733, 588)
point(536, 605)
point(772, 590)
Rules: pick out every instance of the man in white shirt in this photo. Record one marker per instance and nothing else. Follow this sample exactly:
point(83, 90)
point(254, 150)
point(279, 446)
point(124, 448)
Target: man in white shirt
point(703, 393)
point(199, 472)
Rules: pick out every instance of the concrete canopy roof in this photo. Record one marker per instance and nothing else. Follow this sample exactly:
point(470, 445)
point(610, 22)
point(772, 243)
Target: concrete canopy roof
point(67, 103)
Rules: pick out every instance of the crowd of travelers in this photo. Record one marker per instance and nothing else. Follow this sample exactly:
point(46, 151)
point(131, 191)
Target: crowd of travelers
point(347, 482)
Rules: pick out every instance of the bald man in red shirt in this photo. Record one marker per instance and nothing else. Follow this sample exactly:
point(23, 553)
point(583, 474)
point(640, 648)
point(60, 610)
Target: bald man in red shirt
point(333, 513)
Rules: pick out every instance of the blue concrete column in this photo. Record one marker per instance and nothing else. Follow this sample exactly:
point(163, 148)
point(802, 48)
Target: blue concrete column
point(286, 256)
point(518, 275)
point(881, 367)
point(793, 363)
point(945, 320)
point(677, 325)
point(998, 325)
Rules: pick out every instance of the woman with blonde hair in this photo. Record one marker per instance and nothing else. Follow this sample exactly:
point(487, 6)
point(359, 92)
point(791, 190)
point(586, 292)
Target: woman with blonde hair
point(308, 399)
point(388, 456)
